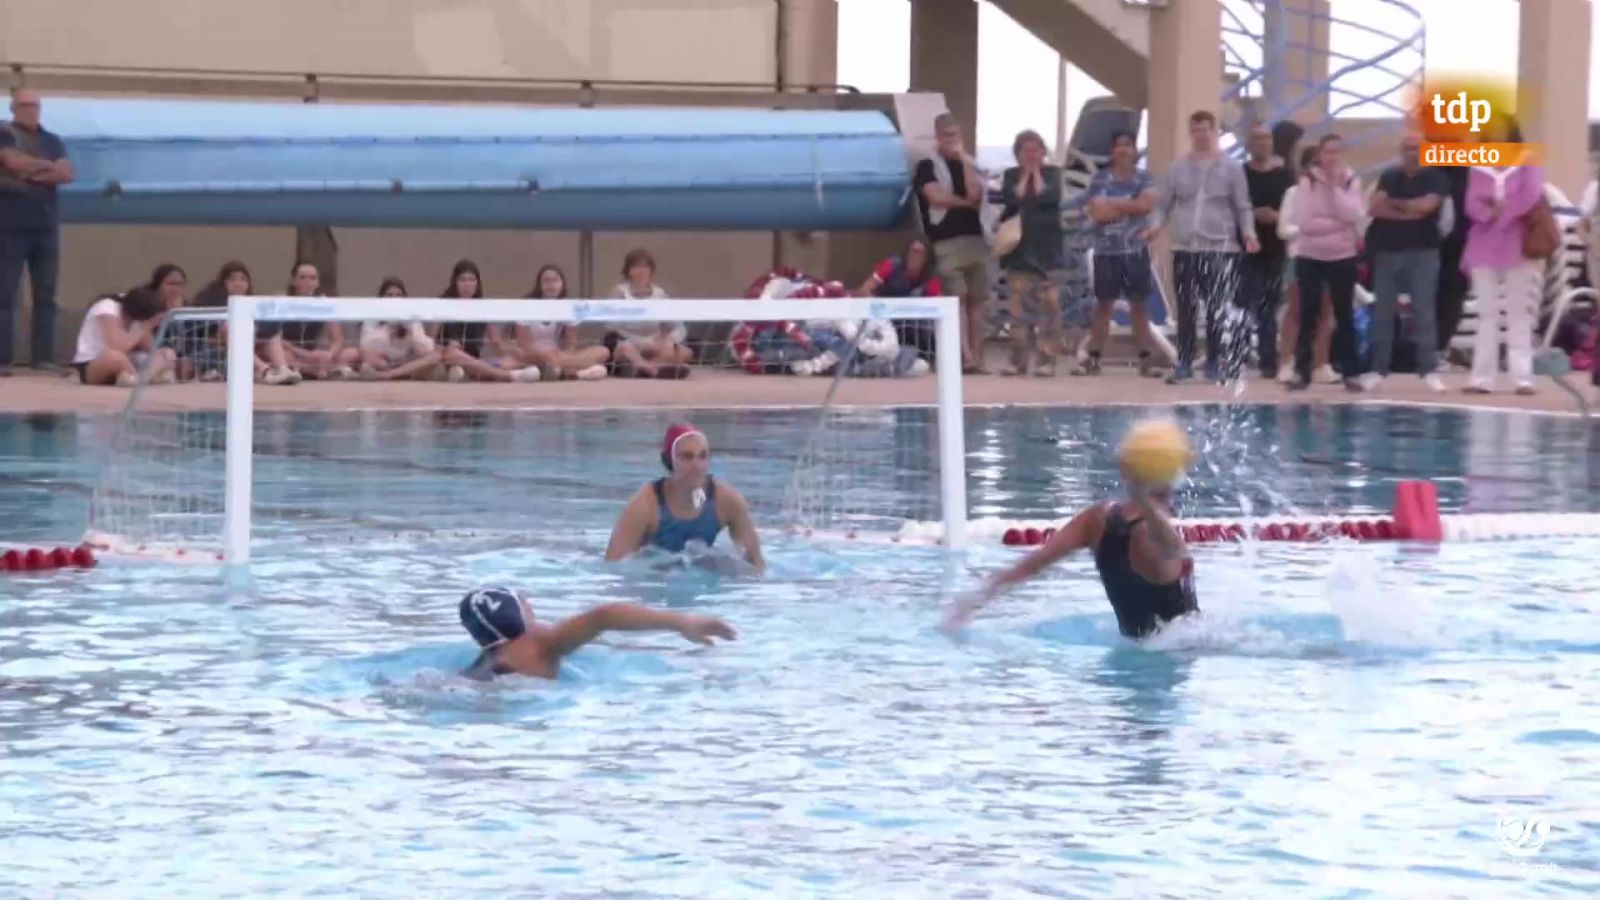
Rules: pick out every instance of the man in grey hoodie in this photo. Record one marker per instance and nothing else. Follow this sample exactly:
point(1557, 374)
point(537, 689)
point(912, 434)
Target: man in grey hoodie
point(1205, 200)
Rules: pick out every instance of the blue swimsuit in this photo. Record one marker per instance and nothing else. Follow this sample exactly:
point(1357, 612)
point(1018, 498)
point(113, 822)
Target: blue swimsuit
point(673, 534)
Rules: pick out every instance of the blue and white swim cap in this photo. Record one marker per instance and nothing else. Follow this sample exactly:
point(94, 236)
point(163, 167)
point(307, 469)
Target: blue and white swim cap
point(493, 616)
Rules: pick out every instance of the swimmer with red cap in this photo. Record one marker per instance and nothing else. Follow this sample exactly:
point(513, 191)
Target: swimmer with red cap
point(688, 504)
point(512, 643)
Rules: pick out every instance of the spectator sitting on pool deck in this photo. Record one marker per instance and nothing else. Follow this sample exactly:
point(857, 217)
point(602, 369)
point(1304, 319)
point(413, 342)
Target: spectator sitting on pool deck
point(647, 349)
point(391, 351)
point(477, 350)
point(686, 505)
point(271, 359)
point(114, 341)
point(553, 346)
point(502, 623)
point(316, 349)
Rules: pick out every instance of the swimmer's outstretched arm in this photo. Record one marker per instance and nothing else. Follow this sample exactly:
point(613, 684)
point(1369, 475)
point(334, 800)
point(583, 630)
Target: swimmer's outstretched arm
point(569, 634)
point(1081, 532)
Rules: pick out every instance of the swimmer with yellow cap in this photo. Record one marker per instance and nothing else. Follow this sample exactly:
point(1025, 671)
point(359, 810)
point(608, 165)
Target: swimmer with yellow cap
point(1143, 562)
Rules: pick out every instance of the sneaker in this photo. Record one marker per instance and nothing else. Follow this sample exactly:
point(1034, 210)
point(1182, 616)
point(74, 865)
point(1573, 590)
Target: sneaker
point(1297, 383)
point(456, 374)
point(1353, 386)
point(1476, 388)
point(1371, 381)
point(1526, 389)
point(167, 377)
point(1181, 375)
point(211, 375)
point(1326, 375)
point(592, 373)
point(527, 374)
point(127, 379)
point(919, 367)
point(1286, 376)
point(1090, 366)
point(803, 367)
point(280, 375)
point(1434, 382)
point(344, 373)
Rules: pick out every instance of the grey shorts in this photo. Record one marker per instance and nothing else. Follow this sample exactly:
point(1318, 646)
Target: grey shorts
point(963, 265)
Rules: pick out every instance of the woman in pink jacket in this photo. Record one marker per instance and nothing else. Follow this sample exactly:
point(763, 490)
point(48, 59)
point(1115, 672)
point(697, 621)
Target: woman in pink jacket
point(1504, 281)
point(1328, 211)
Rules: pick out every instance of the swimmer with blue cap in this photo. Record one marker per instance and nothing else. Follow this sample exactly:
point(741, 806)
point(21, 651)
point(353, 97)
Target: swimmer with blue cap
point(501, 621)
point(688, 504)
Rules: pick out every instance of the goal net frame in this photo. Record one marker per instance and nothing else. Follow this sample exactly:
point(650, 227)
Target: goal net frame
point(244, 312)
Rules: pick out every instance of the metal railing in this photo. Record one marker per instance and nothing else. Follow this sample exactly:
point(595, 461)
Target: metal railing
point(1261, 56)
point(311, 87)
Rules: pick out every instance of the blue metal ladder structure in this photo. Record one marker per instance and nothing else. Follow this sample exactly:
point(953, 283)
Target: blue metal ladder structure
point(1259, 54)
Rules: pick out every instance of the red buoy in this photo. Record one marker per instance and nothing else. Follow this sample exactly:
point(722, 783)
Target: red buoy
point(1011, 538)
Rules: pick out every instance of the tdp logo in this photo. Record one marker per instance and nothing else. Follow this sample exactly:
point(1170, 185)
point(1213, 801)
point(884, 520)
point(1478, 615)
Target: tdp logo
point(878, 310)
point(581, 311)
point(1461, 111)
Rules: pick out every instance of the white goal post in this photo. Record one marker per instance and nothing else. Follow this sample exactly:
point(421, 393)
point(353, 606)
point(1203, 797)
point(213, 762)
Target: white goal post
point(244, 312)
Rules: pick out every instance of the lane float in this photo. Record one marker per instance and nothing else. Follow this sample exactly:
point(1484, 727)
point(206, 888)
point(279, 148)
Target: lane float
point(42, 559)
point(1414, 517)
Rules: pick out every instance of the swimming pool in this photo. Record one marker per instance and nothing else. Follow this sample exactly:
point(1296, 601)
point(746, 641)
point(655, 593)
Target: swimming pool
point(1345, 719)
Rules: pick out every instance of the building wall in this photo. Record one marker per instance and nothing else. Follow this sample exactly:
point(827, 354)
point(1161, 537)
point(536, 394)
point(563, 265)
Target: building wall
point(651, 40)
point(557, 39)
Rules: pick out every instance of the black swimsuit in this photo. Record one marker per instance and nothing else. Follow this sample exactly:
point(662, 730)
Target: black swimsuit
point(1141, 606)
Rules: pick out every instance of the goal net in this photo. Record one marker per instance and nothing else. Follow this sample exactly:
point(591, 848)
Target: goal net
point(291, 425)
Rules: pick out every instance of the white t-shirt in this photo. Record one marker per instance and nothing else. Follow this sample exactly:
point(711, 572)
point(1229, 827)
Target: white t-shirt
point(91, 337)
point(644, 332)
point(545, 335)
point(380, 338)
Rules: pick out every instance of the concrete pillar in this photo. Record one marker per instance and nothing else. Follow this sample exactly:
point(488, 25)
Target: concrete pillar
point(1295, 51)
point(808, 53)
point(1553, 87)
point(809, 42)
point(1184, 71)
point(944, 57)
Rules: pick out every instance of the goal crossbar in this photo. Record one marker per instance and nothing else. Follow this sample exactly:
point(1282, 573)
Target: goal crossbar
point(244, 312)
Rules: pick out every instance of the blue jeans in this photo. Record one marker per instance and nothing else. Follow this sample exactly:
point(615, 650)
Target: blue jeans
point(1411, 272)
point(39, 249)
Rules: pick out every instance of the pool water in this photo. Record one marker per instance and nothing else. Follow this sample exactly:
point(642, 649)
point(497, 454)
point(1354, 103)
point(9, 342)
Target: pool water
point(1344, 720)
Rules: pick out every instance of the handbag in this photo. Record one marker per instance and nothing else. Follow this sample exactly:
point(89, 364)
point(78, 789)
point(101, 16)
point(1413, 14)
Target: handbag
point(1008, 236)
point(1540, 237)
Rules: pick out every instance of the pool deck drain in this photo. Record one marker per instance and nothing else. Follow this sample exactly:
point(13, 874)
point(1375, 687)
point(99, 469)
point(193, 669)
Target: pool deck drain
point(27, 392)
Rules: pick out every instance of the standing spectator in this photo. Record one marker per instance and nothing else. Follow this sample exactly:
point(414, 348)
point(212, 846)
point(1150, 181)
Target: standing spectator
point(1206, 201)
point(1120, 199)
point(1328, 212)
point(911, 274)
point(1289, 336)
point(33, 162)
point(1505, 281)
point(1404, 240)
point(1261, 288)
point(950, 195)
point(1032, 192)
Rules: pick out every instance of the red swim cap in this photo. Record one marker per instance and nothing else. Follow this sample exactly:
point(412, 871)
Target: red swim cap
point(675, 433)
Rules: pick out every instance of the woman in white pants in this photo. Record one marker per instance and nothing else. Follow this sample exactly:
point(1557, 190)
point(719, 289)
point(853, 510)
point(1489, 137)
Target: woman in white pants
point(1505, 282)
